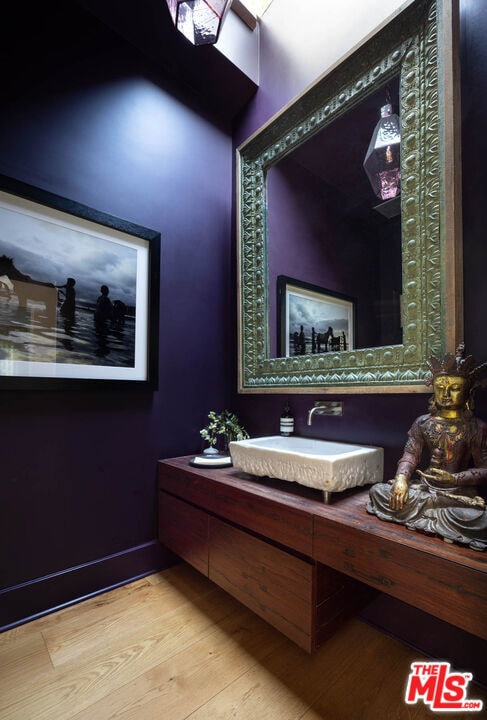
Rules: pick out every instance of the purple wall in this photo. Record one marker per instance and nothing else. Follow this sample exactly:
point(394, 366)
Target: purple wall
point(90, 122)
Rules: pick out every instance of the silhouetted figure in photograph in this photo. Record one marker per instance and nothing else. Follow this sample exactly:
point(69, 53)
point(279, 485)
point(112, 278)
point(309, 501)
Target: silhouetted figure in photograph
point(302, 342)
point(296, 343)
point(328, 337)
point(104, 307)
point(118, 313)
point(103, 313)
point(68, 308)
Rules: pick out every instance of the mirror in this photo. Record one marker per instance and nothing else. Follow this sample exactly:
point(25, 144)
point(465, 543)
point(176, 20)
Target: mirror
point(327, 228)
point(372, 287)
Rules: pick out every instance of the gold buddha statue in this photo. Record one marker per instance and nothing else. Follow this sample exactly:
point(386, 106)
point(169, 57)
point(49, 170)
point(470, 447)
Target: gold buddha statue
point(444, 499)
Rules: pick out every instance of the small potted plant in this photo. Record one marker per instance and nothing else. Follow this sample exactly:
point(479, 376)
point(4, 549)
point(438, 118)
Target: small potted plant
point(221, 429)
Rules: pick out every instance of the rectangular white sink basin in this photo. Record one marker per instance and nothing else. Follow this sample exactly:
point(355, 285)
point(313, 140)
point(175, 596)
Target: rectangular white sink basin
point(323, 464)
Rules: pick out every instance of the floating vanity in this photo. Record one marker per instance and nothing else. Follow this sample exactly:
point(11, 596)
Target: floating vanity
point(304, 566)
point(326, 465)
point(256, 542)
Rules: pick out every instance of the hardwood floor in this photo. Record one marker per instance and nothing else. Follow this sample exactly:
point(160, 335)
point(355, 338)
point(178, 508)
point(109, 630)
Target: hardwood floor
point(173, 646)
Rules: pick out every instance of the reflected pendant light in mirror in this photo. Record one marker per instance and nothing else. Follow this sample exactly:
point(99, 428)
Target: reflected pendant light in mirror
point(200, 21)
point(383, 159)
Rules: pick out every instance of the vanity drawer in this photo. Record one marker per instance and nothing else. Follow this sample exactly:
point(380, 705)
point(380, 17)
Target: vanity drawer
point(183, 529)
point(280, 516)
point(276, 585)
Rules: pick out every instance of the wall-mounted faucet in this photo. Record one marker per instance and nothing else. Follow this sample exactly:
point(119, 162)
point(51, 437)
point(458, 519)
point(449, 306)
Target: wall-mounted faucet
point(325, 407)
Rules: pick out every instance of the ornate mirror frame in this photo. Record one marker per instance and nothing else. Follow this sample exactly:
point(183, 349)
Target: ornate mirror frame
point(419, 44)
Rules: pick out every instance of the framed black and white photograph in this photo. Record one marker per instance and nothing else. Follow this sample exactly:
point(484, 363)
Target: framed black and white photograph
point(312, 319)
point(78, 292)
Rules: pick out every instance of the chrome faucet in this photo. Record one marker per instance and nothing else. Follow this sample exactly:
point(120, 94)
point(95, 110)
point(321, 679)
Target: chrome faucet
point(325, 408)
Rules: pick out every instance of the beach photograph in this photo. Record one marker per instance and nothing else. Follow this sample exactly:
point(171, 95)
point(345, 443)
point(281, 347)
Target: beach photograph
point(69, 294)
point(315, 320)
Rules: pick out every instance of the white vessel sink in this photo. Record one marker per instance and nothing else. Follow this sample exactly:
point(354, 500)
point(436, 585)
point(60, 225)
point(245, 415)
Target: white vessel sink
point(324, 464)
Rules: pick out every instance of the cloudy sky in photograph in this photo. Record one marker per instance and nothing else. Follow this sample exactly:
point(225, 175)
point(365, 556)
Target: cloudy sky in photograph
point(316, 313)
point(50, 252)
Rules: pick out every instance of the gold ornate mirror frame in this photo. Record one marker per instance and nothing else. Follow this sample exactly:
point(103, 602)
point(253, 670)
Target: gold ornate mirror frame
point(418, 44)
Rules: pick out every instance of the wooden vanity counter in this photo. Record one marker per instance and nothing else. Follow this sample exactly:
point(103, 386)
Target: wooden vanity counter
point(445, 580)
point(304, 566)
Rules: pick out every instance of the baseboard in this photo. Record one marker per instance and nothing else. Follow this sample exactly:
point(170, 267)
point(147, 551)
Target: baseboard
point(29, 600)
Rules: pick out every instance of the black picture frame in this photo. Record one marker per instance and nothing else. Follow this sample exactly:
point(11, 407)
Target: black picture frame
point(305, 315)
point(53, 338)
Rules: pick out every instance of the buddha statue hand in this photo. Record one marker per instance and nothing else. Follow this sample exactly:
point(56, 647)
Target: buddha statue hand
point(399, 492)
point(438, 477)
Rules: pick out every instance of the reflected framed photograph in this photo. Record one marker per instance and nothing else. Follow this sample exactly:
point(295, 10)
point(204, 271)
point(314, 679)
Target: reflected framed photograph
point(79, 293)
point(312, 319)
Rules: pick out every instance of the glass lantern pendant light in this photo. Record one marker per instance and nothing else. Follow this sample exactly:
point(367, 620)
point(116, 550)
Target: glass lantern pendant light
point(200, 21)
point(383, 159)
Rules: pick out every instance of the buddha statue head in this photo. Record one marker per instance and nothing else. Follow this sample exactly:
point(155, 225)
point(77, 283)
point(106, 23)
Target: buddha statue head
point(454, 380)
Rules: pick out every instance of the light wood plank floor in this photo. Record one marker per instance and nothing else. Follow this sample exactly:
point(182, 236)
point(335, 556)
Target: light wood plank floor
point(173, 646)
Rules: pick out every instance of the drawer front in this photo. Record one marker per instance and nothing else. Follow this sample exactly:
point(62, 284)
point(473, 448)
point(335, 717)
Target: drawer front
point(244, 503)
point(184, 530)
point(276, 585)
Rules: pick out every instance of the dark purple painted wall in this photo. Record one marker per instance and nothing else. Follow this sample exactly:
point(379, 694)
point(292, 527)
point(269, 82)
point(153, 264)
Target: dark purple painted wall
point(90, 121)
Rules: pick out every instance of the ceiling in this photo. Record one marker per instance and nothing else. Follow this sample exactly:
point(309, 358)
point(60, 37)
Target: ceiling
point(35, 37)
point(205, 71)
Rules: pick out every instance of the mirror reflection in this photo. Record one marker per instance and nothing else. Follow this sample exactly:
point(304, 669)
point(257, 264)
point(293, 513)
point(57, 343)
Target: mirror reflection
point(334, 247)
point(312, 235)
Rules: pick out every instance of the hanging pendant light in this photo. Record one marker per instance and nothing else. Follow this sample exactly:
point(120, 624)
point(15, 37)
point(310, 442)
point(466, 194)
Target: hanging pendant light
point(383, 159)
point(200, 21)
